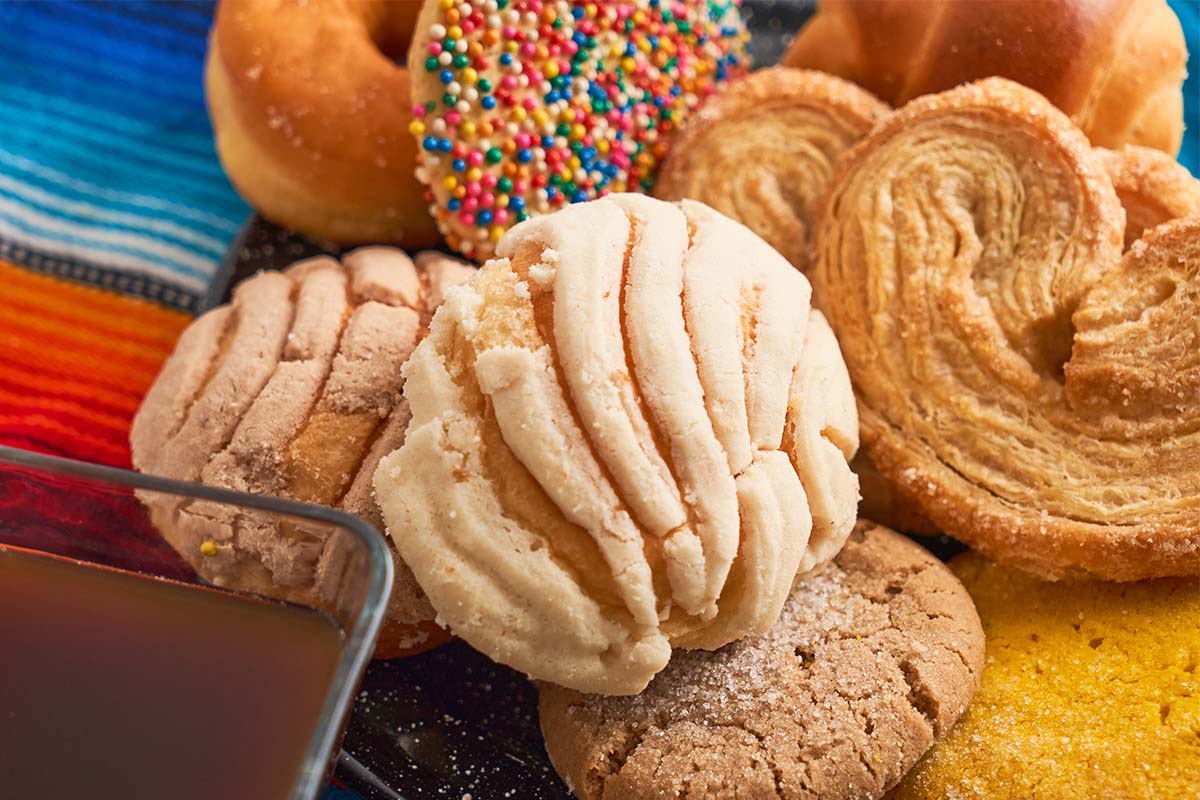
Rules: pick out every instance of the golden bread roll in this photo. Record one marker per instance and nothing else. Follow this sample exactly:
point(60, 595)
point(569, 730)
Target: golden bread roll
point(629, 432)
point(311, 108)
point(1153, 188)
point(292, 390)
point(762, 151)
point(1026, 388)
point(1116, 67)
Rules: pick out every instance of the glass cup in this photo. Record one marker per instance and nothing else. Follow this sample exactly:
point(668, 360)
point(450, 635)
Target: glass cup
point(118, 519)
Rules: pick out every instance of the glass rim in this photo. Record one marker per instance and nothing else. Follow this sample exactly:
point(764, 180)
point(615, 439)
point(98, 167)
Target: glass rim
point(359, 639)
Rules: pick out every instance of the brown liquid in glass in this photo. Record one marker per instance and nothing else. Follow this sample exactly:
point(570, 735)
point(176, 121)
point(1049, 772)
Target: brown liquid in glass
point(114, 685)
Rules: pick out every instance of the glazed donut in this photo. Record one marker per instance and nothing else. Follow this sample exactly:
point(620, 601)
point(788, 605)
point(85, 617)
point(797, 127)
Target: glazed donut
point(310, 105)
point(524, 106)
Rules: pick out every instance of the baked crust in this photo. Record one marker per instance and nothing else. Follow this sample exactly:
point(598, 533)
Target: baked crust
point(1153, 188)
point(311, 116)
point(1115, 66)
point(763, 151)
point(1026, 388)
point(629, 432)
point(875, 657)
point(293, 390)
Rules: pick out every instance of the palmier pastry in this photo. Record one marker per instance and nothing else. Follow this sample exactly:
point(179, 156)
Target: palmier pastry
point(310, 104)
point(762, 152)
point(1116, 67)
point(292, 390)
point(1020, 383)
point(1153, 188)
point(629, 432)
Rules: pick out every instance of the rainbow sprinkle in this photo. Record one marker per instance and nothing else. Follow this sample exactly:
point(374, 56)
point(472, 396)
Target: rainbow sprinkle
point(532, 104)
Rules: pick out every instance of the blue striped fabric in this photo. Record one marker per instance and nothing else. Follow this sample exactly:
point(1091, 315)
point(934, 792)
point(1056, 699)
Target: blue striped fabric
point(107, 167)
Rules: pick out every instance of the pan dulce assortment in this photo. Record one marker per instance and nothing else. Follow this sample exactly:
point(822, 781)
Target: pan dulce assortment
point(944, 255)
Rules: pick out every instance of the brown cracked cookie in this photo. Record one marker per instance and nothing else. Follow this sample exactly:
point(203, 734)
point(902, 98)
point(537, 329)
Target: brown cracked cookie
point(875, 657)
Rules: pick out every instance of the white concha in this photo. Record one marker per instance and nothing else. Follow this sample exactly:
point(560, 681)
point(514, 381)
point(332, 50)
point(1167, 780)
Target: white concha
point(614, 449)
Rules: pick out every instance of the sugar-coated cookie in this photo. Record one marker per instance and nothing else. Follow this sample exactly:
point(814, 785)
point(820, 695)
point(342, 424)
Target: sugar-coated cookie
point(876, 655)
point(1090, 691)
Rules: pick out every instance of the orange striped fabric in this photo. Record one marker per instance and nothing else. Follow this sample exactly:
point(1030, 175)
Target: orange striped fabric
point(74, 364)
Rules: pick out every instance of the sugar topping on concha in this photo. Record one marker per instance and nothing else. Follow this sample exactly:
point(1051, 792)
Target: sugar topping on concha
point(630, 432)
point(524, 106)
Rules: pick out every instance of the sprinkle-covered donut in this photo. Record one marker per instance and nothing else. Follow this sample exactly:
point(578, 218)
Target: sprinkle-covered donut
point(524, 106)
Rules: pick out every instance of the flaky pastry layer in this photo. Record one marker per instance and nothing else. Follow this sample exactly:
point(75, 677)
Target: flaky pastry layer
point(1026, 387)
point(763, 151)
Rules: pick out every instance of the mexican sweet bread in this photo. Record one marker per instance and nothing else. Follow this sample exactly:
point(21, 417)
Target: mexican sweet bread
point(292, 390)
point(1019, 382)
point(311, 107)
point(630, 431)
point(1116, 67)
point(762, 151)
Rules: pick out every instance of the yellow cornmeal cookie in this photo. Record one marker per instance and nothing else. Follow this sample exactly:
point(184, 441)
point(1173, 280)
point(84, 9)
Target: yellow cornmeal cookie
point(1090, 690)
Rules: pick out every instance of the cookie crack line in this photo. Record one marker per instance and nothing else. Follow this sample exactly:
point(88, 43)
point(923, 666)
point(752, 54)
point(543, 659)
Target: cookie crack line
point(768, 758)
point(746, 699)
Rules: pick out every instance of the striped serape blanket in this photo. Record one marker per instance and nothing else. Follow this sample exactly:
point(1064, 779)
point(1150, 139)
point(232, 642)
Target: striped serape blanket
point(114, 213)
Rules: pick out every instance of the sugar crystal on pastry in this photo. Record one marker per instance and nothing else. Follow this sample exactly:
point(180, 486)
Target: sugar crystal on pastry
point(629, 432)
point(837, 701)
